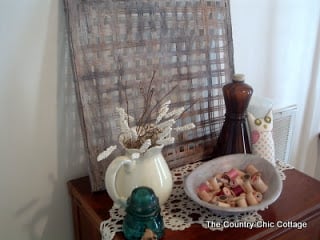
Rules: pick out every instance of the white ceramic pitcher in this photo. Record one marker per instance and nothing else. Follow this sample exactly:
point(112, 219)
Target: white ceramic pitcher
point(150, 169)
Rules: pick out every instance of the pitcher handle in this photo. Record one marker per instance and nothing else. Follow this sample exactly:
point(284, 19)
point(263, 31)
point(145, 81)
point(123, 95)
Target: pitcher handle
point(110, 179)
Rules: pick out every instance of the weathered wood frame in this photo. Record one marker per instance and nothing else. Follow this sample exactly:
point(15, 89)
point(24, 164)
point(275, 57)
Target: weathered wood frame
point(115, 44)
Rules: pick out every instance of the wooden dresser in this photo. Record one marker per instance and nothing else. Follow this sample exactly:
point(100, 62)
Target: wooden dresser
point(299, 202)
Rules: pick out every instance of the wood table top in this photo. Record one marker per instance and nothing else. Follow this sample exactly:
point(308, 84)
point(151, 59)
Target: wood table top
point(299, 202)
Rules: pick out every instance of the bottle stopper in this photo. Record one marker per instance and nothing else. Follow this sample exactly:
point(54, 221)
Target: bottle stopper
point(239, 77)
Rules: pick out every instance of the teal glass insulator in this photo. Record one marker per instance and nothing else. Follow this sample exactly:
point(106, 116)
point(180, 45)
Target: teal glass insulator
point(142, 212)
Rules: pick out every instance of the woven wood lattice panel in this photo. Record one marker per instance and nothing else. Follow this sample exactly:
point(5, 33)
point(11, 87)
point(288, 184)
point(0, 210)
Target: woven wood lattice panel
point(116, 46)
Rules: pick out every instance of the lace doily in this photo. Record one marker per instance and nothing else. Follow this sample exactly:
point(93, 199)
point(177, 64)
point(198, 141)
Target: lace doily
point(180, 212)
point(281, 167)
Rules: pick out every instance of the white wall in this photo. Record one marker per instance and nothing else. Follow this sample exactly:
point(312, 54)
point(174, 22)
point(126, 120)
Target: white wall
point(274, 45)
point(38, 132)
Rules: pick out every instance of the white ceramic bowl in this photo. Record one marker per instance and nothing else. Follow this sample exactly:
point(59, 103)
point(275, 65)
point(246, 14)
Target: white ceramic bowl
point(223, 164)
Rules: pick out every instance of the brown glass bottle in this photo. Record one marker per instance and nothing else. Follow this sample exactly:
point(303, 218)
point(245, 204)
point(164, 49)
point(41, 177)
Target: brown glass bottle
point(233, 137)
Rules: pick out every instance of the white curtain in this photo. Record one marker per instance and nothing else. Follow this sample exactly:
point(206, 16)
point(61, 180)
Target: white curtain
point(307, 151)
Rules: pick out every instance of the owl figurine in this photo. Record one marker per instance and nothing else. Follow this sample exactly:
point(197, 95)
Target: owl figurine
point(262, 143)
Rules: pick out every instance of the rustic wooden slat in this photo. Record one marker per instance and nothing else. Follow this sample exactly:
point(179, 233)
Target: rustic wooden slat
point(115, 45)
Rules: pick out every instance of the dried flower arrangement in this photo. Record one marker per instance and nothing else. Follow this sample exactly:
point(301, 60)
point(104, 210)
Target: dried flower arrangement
point(145, 133)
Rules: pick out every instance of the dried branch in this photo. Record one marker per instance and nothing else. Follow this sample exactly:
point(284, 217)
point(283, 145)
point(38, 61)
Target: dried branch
point(147, 99)
point(147, 133)
point(126, 97)
point(160, 101)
